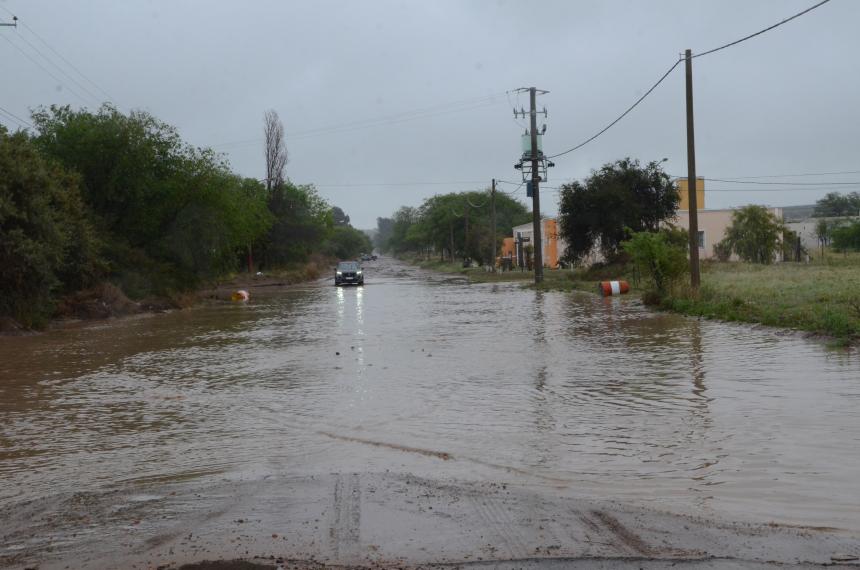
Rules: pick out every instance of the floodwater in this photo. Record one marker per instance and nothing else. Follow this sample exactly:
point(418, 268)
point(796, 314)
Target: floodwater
point(423, 374)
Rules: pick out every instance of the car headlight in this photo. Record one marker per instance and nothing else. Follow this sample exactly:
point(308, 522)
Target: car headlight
point(358, 273)
point(338, 273)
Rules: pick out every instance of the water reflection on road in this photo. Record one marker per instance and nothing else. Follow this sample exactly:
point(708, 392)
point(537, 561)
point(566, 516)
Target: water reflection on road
point(586, 396)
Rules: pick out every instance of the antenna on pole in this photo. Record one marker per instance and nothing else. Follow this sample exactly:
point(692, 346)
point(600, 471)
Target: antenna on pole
point(14, 23)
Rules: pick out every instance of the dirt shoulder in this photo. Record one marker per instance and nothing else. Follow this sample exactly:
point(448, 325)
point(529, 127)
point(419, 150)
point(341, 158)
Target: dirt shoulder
point(107, 301)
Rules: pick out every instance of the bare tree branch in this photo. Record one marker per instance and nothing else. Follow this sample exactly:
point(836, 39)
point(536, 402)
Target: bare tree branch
point(276, 149)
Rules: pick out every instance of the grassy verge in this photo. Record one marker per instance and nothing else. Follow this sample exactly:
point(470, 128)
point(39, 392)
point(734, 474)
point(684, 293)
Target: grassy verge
point(554, 279)
point(821, 298)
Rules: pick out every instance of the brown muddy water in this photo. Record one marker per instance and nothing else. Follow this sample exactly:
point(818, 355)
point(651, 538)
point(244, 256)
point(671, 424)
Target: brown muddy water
point(562, 395)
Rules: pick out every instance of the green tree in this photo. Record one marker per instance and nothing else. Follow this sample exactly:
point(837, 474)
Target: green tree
point(754, 234)
point(824, 233)
point(47, 244)
point(620, 198)
point(661, 257)
point(834, 205)
point(347, 242)
point(302, 221)
point(339, 217)
point(846, 237)
point(384, 228)
point(168, 213)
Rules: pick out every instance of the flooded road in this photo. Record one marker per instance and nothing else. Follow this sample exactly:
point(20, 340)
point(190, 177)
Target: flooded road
point(120, 438)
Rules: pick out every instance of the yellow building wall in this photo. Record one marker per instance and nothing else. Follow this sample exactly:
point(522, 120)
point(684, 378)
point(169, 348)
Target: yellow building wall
point(550, 254)
point(508, 247)
point(684, 193)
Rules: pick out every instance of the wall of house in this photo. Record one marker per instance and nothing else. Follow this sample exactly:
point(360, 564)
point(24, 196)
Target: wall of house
point(712, 227)
point(552, 245)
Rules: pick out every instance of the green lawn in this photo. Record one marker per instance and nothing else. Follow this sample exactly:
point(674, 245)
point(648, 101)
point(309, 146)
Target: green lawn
point(821, 297)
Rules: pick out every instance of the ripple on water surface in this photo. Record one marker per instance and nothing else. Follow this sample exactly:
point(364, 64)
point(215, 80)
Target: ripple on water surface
point(591, 396)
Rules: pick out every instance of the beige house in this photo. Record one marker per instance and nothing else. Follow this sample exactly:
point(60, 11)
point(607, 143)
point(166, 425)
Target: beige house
point(712, 227)
point(712, 223)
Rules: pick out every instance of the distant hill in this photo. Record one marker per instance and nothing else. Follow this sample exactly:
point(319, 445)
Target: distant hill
point(797, 213)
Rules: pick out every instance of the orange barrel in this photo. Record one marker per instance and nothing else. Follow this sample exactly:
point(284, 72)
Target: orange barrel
point(609, 288)
point(240, 295)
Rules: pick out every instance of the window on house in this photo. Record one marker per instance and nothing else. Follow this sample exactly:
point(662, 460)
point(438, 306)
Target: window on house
point(701, 239)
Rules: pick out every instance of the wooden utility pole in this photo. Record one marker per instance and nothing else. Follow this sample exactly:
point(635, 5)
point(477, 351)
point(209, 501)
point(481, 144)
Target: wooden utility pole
point(536, 233)
point(493, 209)
point(466, 232)
point(451, 230)
point(695, 278)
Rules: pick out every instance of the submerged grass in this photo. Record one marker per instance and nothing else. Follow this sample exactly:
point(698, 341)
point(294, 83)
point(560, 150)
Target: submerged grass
point(554, 279)
point(822, 297)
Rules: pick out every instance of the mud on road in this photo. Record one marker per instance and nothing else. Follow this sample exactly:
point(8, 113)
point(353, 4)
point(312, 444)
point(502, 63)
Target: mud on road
point(422, 421)
point(388, 520)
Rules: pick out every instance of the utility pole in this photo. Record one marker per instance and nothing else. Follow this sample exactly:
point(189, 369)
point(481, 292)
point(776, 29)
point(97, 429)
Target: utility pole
point(493, 201)
point(536, 234)
point(451, 230)
point(695, 278)
point(466, 232)
point(534, 160)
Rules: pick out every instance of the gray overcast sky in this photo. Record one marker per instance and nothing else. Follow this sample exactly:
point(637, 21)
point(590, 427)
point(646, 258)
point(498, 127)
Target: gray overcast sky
point(784, 102)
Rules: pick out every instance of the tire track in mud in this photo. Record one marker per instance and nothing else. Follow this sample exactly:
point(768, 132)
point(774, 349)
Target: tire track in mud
point(344, 531)
point(429, 453)
point(614, 534)
point(499, 522)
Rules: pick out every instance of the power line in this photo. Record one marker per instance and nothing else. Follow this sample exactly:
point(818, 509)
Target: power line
point(434, 183)
point(16, 118)
point(473, 205)
point(760, 32)
point(817, 183)
point(781, 189)
point(43, 68)
point(66, 61)
point(404, 116)
point(795, 175)
point(624, 114)
point(60, 69)
point(665, 75)
point(63, 58)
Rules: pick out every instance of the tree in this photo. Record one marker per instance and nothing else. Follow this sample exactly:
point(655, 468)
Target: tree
point(846, 237)
point(47, 242)
point(456, 224)
point(168, 214)
point(384, 227)
point(754, 234)
point(824, 233)
point(659, 256)
point(276, 149)
point(834, 205)
point(347, 243)
point(612, 203)
point(339, 217)
point(301, 221)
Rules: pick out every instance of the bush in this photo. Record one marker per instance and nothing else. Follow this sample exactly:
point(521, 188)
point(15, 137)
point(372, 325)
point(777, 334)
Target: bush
point(659, 257)
point(723, 251)
point(47, 244)
point(754, 234)
point(847, 237)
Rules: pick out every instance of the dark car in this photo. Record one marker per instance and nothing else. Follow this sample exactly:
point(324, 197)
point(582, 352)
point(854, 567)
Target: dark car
point(348, 273)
